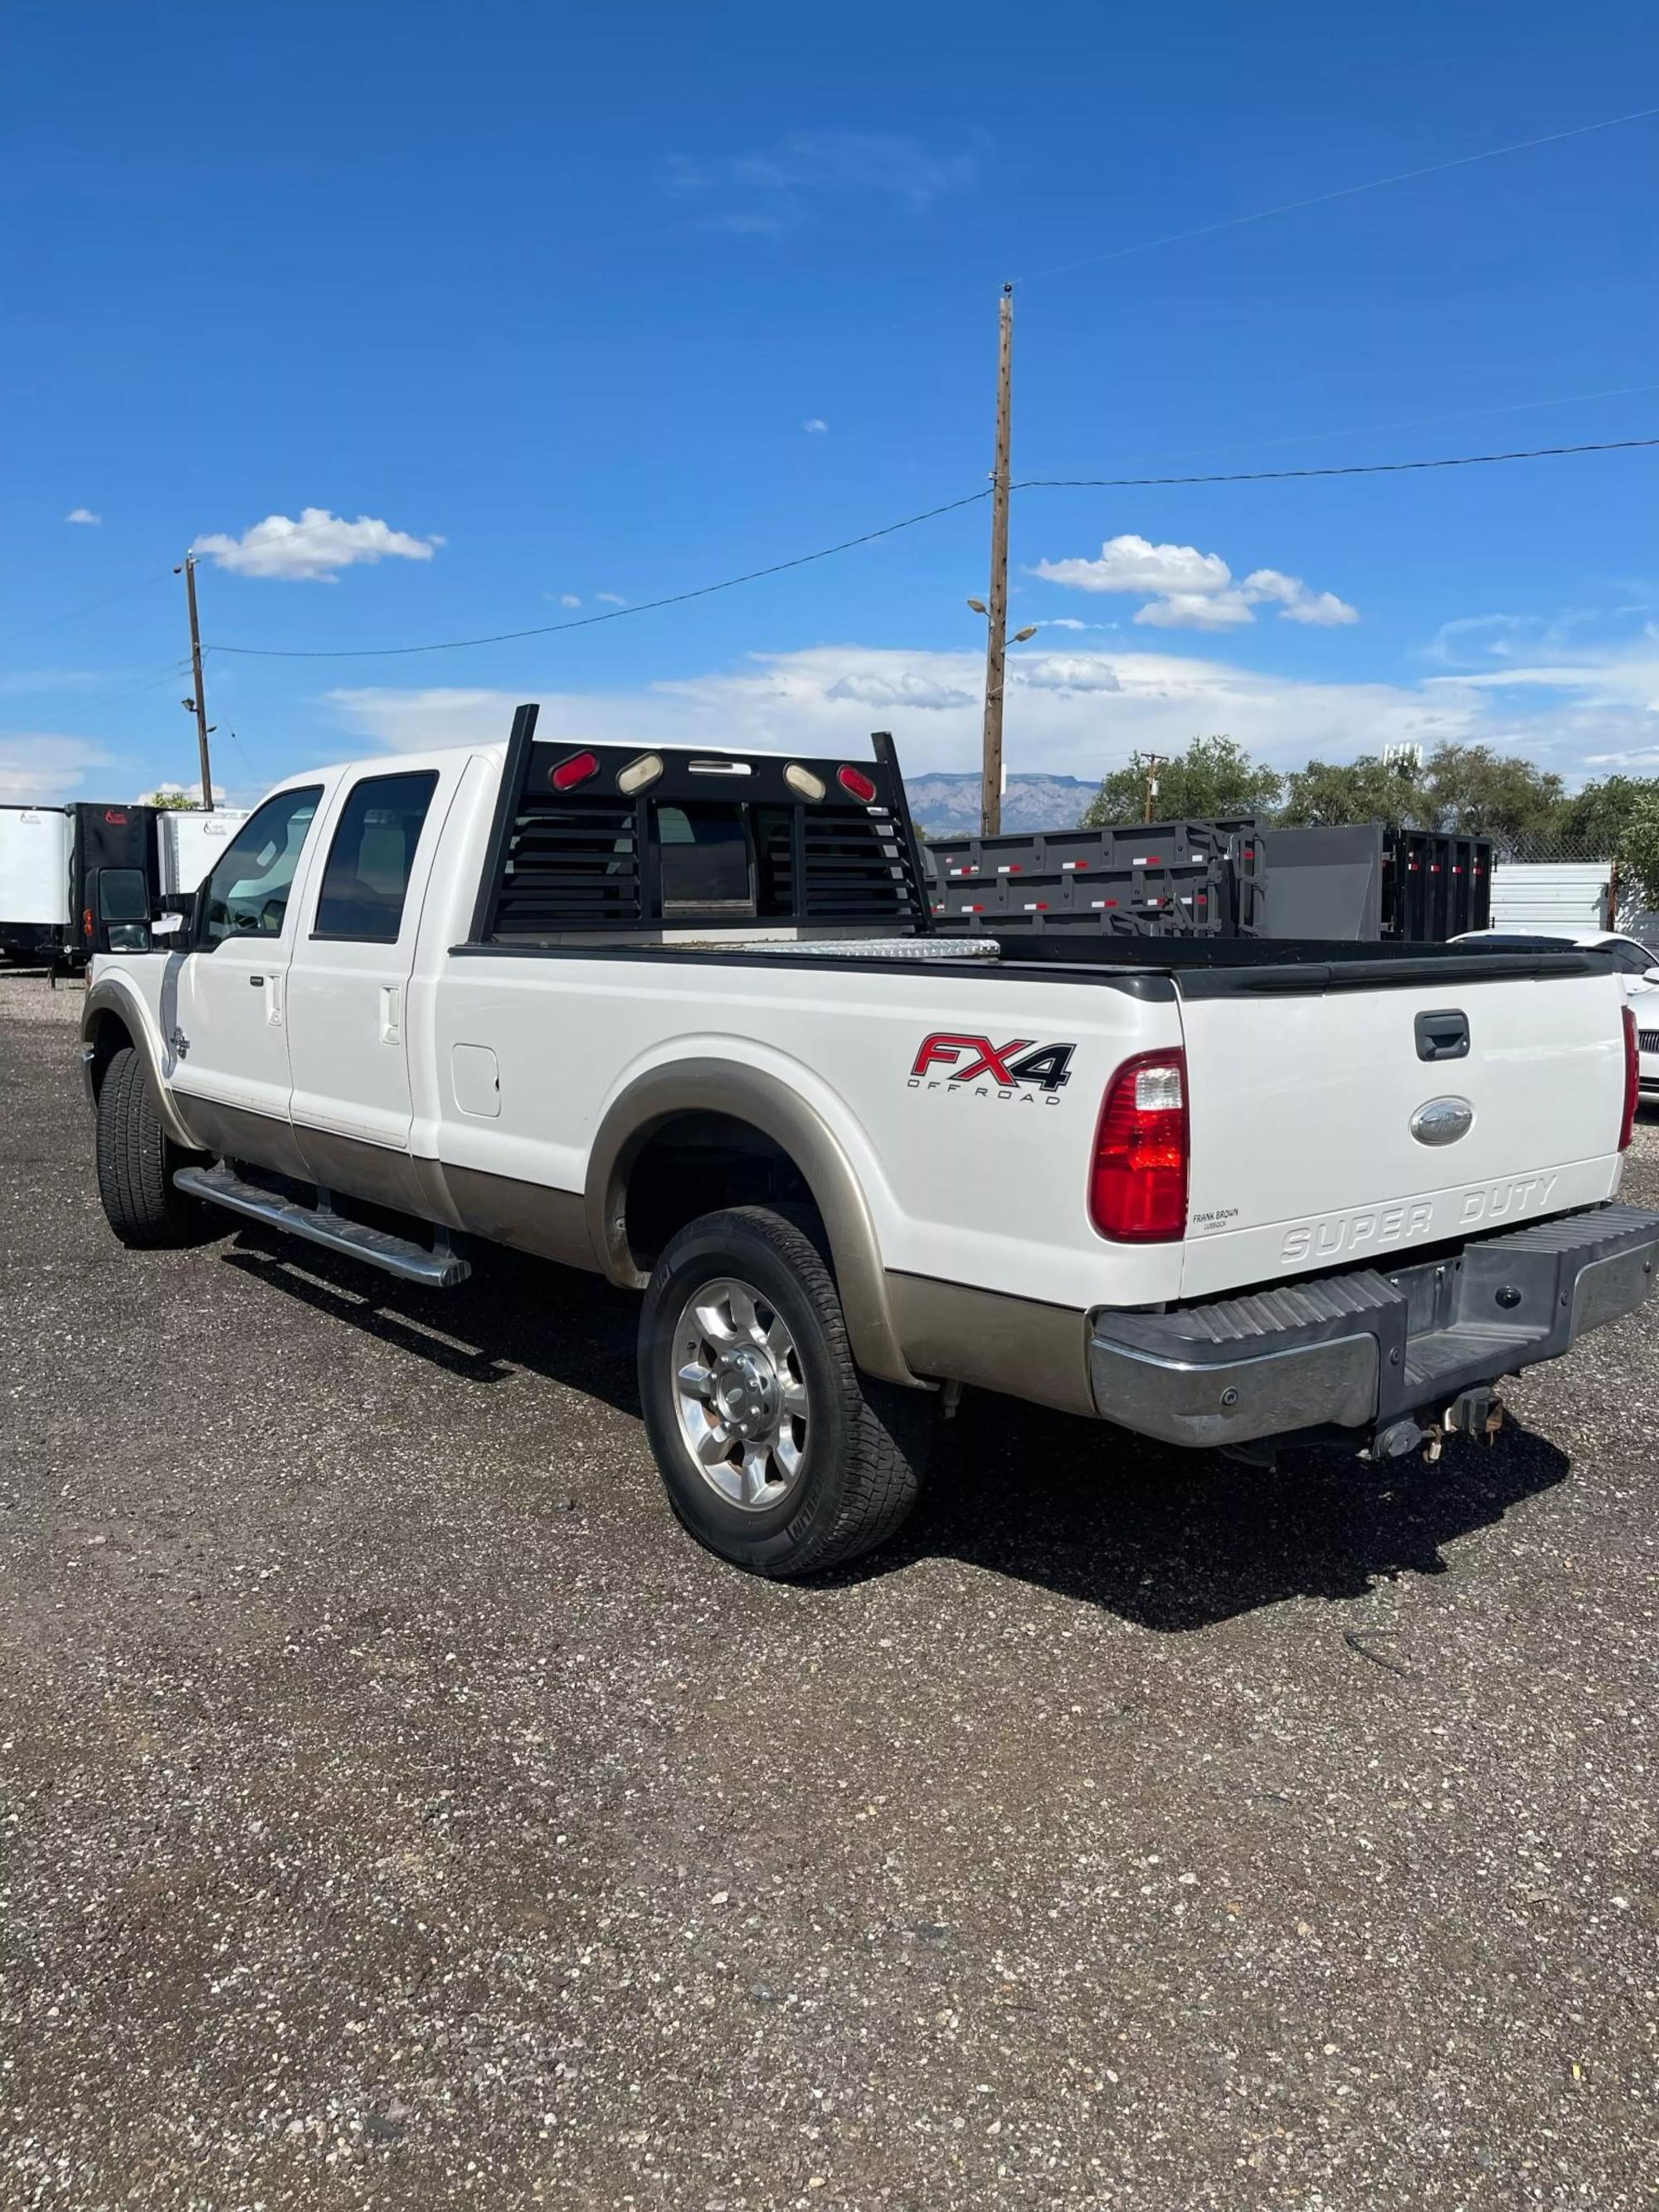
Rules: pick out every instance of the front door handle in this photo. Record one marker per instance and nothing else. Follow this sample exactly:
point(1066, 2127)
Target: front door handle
point(392, 1013)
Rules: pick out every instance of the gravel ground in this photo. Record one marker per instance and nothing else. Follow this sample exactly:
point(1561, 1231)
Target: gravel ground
point(401, 1812)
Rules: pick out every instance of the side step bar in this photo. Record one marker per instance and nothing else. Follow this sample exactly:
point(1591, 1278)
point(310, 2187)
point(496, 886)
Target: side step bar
point(439, 1269)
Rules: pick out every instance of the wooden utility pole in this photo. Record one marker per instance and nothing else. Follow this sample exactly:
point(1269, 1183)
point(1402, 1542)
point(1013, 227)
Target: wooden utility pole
point(990, 807)
point(1150, 764)
point(200, 702)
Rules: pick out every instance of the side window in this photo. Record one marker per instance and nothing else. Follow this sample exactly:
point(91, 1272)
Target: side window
point(246, 895)
point(703, 846)
point(367, 879)
point(1631, 959)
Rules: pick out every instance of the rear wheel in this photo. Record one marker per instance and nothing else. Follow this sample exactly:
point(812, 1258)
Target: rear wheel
point(136, 1160)
point(776, 1452)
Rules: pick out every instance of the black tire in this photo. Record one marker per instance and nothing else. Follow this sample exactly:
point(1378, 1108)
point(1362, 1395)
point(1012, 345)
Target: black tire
point(865, 1441)
point(136, 1160)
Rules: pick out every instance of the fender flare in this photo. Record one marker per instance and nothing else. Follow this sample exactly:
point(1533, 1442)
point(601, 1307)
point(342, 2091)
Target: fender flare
point(754, 1096)
point(107, 997)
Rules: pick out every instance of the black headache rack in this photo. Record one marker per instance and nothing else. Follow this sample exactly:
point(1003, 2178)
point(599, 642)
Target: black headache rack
point(593, 840)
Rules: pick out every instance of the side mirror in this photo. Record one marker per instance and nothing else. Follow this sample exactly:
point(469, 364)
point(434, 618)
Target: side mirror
point(1650, 974)
point(121, 904)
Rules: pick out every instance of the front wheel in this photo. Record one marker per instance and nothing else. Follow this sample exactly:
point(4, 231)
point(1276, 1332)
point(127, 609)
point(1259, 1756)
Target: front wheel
point(136, 1160)
point(776, 1452)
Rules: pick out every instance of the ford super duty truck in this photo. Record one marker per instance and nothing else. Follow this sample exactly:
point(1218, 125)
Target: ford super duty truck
point(685, 1019)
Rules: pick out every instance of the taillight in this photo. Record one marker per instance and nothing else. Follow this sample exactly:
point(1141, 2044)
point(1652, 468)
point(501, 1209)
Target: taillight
point(1633, 1079)
point(1138, 1184)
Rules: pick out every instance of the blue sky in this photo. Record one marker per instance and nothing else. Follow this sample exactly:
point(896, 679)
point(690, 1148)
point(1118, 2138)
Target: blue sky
point(546, 304)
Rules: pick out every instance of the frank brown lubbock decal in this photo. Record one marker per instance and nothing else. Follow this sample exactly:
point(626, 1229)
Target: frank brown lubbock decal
point(975, 1067)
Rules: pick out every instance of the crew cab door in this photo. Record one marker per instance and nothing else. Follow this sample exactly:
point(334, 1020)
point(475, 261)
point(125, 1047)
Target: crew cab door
point(348, 989)
point(225, 1029)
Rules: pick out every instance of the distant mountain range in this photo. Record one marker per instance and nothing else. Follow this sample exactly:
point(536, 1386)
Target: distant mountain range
point(948, 806)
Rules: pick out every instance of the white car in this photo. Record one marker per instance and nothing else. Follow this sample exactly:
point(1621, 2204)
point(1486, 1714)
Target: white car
point(1635, 964)
point(684, 1019)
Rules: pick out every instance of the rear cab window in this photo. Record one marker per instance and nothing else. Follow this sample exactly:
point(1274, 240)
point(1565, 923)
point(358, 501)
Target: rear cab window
point(366, 880)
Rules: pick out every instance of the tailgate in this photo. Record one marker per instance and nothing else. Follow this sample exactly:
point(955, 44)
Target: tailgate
point(1310, 1147)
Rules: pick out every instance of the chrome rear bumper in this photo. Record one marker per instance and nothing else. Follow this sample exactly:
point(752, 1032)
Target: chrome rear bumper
point(1353, 1350)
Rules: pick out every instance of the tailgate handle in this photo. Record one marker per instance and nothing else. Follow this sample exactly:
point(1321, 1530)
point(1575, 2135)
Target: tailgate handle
point(1443, 1035)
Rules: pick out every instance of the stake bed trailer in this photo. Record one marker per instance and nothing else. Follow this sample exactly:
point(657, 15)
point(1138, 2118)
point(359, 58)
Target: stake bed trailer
point(685, 1020)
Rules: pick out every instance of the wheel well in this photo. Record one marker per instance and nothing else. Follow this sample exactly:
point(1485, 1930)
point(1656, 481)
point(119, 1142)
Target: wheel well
point(695, 1163)
point(109, 1033)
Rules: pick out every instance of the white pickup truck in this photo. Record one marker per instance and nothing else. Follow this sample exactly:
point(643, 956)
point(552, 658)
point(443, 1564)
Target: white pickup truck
point(686, 1020)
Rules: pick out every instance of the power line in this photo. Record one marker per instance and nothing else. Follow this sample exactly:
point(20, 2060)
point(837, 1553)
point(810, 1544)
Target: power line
point(887, 530)
point(1344, 192)
point(1352, 469)
point(613, 614)
point(91, 607)
point(1425, 421)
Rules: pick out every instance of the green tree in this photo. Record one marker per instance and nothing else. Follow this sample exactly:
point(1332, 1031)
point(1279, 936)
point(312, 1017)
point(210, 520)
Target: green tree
point(172, 800)
point(1477, 792)
point(1213, 776)
point(1617, 818)
point(1369, 789)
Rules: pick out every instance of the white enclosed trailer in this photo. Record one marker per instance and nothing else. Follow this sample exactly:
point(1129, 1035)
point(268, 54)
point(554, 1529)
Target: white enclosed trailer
point(34, 880)
point(192, 842)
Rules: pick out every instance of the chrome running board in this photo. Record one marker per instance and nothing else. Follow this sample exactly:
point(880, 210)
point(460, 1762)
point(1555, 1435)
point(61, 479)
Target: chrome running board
point(438, 1267)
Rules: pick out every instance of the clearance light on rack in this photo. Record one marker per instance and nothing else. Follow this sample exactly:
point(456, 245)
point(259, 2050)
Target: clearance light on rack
point(802, 781)
point(640, 774)
point(855, 781)
point(574, 768)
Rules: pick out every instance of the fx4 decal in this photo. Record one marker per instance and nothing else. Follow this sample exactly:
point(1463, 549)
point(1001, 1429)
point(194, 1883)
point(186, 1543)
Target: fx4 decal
point(974, 1064)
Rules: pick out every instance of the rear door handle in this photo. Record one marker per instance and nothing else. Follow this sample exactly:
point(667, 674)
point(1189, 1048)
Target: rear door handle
point(1443, 1035)
point(392, 1013)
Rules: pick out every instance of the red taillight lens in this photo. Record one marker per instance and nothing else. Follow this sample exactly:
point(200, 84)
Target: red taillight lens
point(1138, 1184)
point(1633, 1079)
point(575, 769)
point(855, 780)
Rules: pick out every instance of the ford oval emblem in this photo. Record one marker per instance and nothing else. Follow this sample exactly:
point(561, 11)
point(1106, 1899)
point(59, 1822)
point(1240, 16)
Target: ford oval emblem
point(1442, 1120)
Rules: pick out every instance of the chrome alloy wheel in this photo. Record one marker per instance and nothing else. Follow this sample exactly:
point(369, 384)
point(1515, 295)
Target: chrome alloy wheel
point(740, 1394)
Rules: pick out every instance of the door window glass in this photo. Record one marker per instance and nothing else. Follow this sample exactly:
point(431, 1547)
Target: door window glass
point(246, 895)
point(367, 879)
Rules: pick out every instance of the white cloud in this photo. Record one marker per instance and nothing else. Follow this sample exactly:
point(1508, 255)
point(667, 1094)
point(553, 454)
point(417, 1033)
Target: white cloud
point(568, 600)
point(1194, 590)
point(1197, 611)
point(1135, 564)
point(611, 598)
point(1296, 602)
point(1073, 713)
point(315, 548)
point(1067, 673)
point(82, 515)
point(815, 425)
point(39, 766)
point(773, 190)
point(900, 688)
